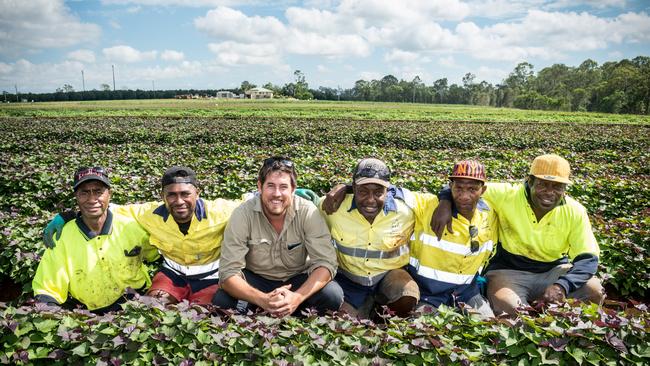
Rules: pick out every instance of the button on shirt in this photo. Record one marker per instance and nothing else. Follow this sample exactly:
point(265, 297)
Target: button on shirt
point(251, 242)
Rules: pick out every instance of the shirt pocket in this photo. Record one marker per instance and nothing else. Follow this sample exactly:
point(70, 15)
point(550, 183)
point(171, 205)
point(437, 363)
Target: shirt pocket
point(294, 255)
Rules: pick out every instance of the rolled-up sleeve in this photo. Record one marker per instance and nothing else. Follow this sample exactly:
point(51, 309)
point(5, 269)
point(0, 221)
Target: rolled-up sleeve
point(235, 245)
point(319, 242)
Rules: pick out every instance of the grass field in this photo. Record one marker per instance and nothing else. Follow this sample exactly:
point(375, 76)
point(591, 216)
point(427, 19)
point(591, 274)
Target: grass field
point(225, 143)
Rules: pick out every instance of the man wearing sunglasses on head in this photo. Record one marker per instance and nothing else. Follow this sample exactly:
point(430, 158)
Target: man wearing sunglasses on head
point(98, 255)
point(276, 253)
point(547, 250)
point(371, 231)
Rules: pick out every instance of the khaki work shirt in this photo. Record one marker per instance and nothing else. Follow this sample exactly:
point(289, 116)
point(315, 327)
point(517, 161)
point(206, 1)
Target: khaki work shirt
point(251, 242)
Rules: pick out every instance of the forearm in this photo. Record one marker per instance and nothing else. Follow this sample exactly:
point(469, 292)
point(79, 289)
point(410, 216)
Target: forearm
point(237, 287)
point(584, 267)
point(316, 281)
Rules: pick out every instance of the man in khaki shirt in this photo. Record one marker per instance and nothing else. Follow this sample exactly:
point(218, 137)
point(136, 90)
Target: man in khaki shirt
point(276, 252)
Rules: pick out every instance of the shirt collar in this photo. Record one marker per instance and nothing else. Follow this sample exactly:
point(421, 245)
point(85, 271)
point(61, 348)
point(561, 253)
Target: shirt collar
point(106, 228)
point(389, 204)
point(199, 211)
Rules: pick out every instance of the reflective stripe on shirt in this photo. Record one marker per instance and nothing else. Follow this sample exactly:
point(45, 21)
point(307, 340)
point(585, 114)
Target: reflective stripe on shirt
point(438, 275)
point(194, 271)
point(432, 241)
point(373, 254)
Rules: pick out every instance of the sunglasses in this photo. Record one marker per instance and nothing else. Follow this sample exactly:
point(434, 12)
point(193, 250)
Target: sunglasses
point(372, 173)
point(473, 235)
point(278, 161)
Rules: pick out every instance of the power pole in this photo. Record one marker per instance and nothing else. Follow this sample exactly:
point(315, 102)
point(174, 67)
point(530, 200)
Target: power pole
point(16, 87)
point(83, 81)
point(113, 68)
point(153, 87)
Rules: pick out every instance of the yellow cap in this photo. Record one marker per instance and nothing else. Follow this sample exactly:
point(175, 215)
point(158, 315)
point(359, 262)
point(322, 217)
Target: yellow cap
point(551, 167)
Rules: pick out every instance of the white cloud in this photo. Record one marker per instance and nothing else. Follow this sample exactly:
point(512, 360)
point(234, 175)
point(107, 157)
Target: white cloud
point(128, 54)
point(229, 24)
point(322, 68)
point(400, 56)
point(233, 53)
point(171, 55)
point(114, 24)
point(183, 3)
point(302, 43)
point(448, 61)
point(26, 26)
point(85, 56)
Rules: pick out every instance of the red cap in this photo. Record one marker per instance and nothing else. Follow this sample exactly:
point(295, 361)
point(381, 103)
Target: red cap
point(469, 169)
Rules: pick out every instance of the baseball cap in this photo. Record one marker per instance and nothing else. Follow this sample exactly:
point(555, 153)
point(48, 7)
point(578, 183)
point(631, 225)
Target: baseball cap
point(551, 167)
point(84, 174)
point(371, 170)
point(179, 174)
point(469, 169)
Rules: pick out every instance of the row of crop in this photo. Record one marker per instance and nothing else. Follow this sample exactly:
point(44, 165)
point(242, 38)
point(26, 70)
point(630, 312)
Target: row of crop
point(399, 134)
point(149, 334)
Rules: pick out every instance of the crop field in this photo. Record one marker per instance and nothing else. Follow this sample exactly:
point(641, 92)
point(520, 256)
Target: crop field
point(225, 143)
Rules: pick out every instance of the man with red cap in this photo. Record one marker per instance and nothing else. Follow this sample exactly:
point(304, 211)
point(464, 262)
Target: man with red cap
point(547, 250)
point(447, 269)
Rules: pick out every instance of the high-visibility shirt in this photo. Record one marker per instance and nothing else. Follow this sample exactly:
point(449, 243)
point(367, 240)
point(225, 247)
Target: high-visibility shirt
point(365, 251)
point(447, 268)
point(200, 247)
point(95, 269)
point(537, 246)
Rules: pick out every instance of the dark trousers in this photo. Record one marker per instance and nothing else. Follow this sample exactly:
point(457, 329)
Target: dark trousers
point(330, 297)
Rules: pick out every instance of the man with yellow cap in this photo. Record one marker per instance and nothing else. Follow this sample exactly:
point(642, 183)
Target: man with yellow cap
point(547, 250)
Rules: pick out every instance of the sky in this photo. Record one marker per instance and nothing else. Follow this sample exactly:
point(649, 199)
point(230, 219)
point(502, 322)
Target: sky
point(215, 44)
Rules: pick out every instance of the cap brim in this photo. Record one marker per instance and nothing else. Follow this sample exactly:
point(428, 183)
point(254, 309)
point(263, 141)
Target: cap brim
point(381, 182)
point(553, 178)
point(89, 178)
point(464, 177)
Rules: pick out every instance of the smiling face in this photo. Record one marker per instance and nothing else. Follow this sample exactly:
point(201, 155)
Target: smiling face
point(276, 194)
point(545, 195)
point(370, 199)
point(180, 200)
point(93, 198)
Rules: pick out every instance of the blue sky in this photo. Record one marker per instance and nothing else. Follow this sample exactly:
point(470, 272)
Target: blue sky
point(215, 44)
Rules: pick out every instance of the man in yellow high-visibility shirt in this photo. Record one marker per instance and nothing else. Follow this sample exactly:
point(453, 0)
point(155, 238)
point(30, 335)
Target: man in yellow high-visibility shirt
point(371, 231)
point(447, 269)
point(547, 250)
point(98, 255)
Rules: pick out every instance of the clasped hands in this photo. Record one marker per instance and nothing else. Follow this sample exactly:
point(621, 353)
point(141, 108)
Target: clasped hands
point(282, 301)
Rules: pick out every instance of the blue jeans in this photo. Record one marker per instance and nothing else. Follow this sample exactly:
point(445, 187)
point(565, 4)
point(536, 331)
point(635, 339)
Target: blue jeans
point(330, 297)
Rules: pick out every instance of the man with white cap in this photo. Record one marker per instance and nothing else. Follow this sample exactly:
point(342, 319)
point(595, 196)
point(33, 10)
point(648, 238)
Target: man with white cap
point(371, 230)
point(547, 249)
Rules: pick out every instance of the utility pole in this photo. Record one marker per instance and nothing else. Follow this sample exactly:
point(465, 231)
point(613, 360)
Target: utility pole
point(16, 87)
point(83, 81)
point(153, 87)
point(113, 68)
point(4, 92)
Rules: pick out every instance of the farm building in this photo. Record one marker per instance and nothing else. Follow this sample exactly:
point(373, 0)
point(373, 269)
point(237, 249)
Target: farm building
point(259, 93)
point(225, 94)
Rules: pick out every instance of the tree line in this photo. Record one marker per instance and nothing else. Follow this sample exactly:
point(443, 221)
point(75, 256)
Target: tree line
point(615, 87)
